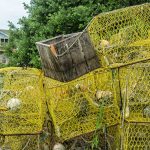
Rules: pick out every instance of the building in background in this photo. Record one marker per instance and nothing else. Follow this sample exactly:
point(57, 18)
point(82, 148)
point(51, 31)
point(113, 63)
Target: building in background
point(4, 37)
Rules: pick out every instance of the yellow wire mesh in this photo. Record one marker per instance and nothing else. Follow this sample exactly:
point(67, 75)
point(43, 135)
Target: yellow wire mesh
point(136, 136)
point(135, 90)
point(130, 136)
point(21, 101)
point(74, 105)
point(40, 141)
point(108, 139)
point(20, 142)
point(113, 137)
point(122, 36)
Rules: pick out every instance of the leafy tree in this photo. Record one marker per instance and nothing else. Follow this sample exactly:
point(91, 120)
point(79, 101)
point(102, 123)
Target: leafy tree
point(49, 18)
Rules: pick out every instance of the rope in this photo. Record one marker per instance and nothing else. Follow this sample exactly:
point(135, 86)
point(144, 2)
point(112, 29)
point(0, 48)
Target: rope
point(80, 34)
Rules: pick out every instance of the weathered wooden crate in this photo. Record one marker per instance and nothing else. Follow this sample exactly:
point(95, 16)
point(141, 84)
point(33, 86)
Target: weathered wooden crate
point(67, 57)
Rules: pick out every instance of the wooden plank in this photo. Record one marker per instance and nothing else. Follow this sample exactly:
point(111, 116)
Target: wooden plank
point(70, 74)
point(81, 69)
point(76, 53)
point(93, 63)
point(87, 46)
point(65, 62)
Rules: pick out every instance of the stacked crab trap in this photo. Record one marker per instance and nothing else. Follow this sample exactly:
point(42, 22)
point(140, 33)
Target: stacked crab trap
point(96, 82)
point(21, 108)
point(122, 41)
point(75, 105)
point(105, 74)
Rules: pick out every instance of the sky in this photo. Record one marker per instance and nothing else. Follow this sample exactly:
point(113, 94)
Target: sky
point(11, 10)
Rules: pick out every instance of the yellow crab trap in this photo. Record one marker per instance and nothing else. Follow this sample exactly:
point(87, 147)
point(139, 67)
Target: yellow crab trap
point(103, 139)
point(76, 106)
point(136, 136)
point(40, 141)
point(21, 101)
point(20, 142)
point(135, 91)
point(122, 36)
point(130, 136)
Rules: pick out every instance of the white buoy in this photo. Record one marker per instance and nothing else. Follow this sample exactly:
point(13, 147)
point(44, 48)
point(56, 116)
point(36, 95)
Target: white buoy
point(77, 86)
point(13, 103)
point(104, 43)
point(81, 87)
point(28, 88)
point(100, 94)
point(58, 146)
point(146, 112)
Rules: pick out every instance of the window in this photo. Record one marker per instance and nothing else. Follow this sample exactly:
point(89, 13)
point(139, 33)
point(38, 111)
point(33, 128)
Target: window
point(2, 40)
point(6, 40)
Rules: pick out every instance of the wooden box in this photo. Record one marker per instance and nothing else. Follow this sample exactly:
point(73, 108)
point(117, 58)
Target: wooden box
point(67, 57)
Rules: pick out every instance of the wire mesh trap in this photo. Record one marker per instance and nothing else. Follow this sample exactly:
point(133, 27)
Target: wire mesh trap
point(122, 36)
point(21, 101)
point(104, 139)
point(40, 141)
point(136, 136)
point(67, 57)
point(74, 106)
point(134, 83)
point(115, 99)
point(19, 142)
point(130, 136)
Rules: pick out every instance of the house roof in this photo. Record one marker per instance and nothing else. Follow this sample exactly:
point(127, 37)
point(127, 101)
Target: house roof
point(4, 32)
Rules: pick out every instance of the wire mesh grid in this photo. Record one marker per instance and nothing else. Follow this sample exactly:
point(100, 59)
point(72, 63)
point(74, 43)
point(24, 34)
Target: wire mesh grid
point(19, 142)
point(136, 136)
point(118, 37)
point(21, 101)
point(74, 106)
point(122, 36)
point(134, 83)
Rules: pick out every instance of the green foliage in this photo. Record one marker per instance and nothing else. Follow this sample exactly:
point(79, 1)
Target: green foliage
point(49, 18)
point(2, 65)
point(95, 141)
